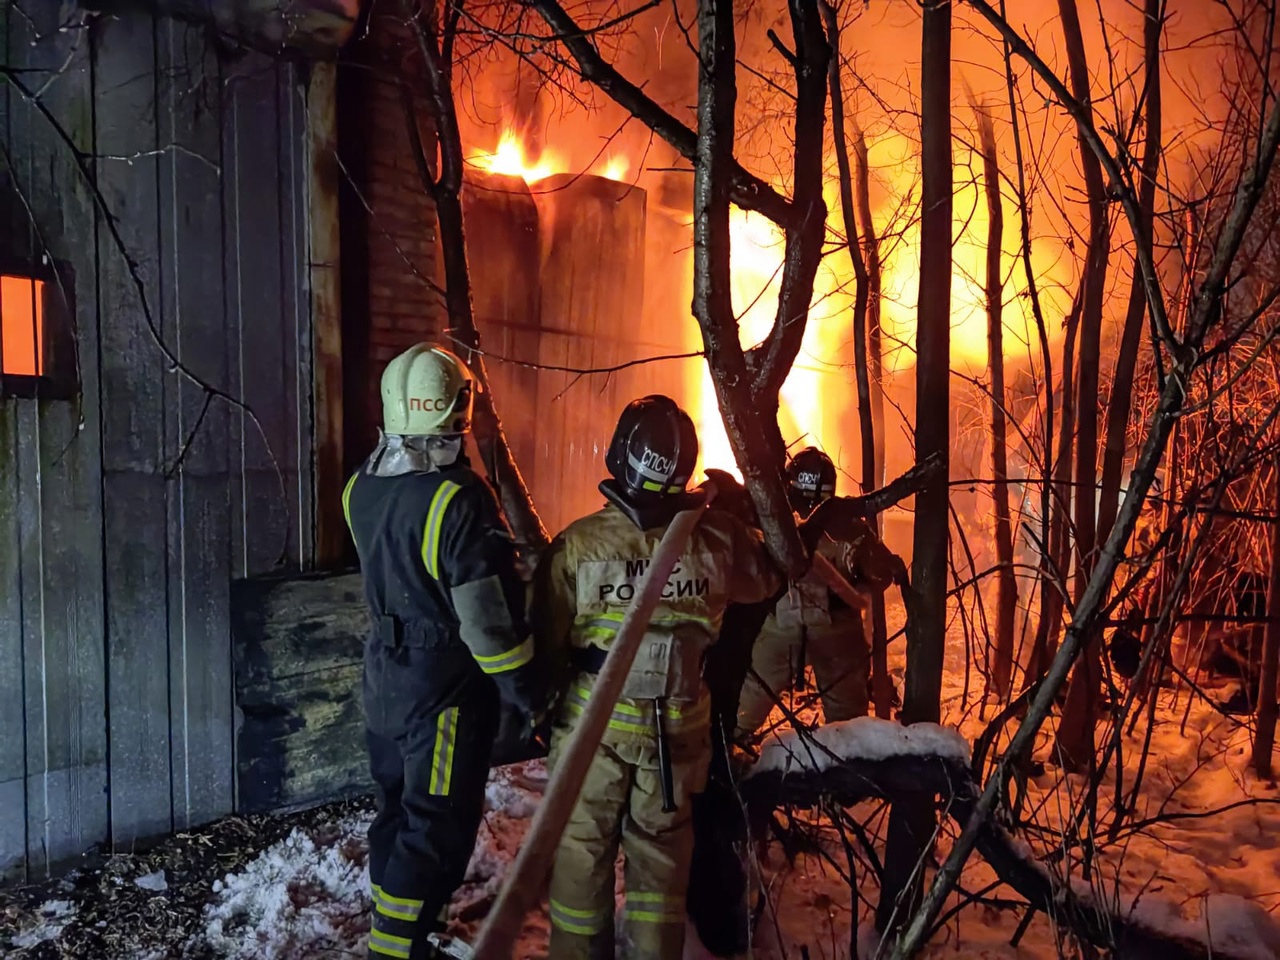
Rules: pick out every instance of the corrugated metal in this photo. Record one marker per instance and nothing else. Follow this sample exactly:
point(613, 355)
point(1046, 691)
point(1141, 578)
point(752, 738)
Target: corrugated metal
point(125, 515)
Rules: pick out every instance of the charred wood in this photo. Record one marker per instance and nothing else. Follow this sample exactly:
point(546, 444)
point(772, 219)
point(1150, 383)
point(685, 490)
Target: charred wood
point(314, 28)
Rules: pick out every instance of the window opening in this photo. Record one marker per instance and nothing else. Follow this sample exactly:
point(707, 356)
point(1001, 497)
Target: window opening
point(22, 326)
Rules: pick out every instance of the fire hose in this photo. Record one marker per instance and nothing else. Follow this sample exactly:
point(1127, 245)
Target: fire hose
point(524, 882)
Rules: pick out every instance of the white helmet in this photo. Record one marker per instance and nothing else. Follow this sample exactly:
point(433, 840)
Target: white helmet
point(426, 392)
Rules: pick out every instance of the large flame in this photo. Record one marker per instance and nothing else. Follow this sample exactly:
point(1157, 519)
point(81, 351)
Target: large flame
point(817, 402)
point(511, 159)
point(815, 392)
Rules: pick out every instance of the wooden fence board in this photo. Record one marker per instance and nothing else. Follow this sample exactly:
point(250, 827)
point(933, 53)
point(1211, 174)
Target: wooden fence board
point(133, 396)
point(58, 464)
point(264, 532)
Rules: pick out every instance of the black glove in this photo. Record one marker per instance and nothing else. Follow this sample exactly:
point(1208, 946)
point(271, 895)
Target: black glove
point(521, 737)
point(732, 497)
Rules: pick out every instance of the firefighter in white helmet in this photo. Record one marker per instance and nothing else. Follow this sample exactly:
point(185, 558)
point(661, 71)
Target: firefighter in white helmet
point(448, 639)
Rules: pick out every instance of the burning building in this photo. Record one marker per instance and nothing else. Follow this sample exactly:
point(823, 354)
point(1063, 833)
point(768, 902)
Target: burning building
point(209, 253)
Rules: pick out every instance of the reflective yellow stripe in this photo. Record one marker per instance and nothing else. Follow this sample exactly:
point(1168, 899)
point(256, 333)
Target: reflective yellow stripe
point(571, 920)
point(431, 531)
point(671, 711)
point(389, 944)
point(400, 913)
point(662, 908)
point(442, 755)
point(346, 499)
point(688, 722)
point(502, 662)
point(397, 908)
point(648, 916)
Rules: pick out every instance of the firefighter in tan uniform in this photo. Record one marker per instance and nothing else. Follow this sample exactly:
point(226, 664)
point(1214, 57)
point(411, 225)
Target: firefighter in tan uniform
point(655, 752)
point(811, 626)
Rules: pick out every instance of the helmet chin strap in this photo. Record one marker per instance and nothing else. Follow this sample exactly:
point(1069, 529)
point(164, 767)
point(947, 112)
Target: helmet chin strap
point(398, 454)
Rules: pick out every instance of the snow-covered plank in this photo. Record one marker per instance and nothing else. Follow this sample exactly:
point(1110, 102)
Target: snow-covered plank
point(862, 738)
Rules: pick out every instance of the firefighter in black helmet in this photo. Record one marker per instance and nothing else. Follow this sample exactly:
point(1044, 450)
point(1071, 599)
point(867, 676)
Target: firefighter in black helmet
point(448, 635)
point(656, 749)
point(810, 625)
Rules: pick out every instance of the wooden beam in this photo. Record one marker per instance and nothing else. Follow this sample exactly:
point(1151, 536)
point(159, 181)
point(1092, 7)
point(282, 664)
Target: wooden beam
point(326, 314)
point(315, 28)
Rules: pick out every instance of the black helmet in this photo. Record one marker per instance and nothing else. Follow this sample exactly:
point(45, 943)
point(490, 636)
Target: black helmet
point(811, 478)
point(654, 448)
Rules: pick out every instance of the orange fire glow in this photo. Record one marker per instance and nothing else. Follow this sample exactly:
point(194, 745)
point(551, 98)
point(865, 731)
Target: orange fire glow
point(511, 159)
point(814, 396)
point(615, 168)
point(818, 404)
point(22, 326)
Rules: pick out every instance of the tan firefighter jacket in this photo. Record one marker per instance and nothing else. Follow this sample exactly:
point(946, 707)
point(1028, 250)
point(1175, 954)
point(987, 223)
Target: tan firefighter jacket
point(590, 578)
point(863, 560)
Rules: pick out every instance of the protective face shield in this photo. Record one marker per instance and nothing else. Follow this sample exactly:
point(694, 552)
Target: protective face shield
point(811, 478)
point(427, 392)
point(396, 454)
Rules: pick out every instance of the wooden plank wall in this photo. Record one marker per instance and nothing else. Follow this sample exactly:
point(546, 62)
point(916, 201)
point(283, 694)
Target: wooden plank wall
point(53, 745)
point(125, 515)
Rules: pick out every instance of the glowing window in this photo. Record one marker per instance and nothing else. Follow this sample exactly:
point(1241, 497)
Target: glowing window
point(22, 332)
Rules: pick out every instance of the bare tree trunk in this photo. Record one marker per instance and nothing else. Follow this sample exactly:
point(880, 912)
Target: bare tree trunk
point(881, 683)
point(1131, 337)
point(446, 191)
point(1056, 559)
point(1040, 646)
point(871, 244)
point(1172, 398)
point(1264, 740)
point(911, 824)
point(1006, 582)
point(1079, 716)
point(747, 384)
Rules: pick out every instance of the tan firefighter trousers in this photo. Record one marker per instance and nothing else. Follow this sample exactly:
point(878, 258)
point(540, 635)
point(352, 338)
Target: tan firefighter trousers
point(839, 654)
point(621, 803)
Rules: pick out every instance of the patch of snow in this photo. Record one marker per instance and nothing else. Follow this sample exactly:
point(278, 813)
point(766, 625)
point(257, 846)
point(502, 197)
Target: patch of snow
point(503, 794)
point(297, 892)
point(862, 738)
point(54, 917)
point(1227, 924)
point(154, 882)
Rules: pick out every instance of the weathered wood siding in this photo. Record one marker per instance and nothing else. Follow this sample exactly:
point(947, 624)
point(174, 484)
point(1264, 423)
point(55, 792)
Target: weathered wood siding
point(298, 650)
point(126, 514)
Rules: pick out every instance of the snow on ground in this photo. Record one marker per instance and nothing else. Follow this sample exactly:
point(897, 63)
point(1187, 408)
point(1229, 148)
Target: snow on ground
point(308, 895)
point(53, 917)
point(1212, 872)
point(302, 891)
